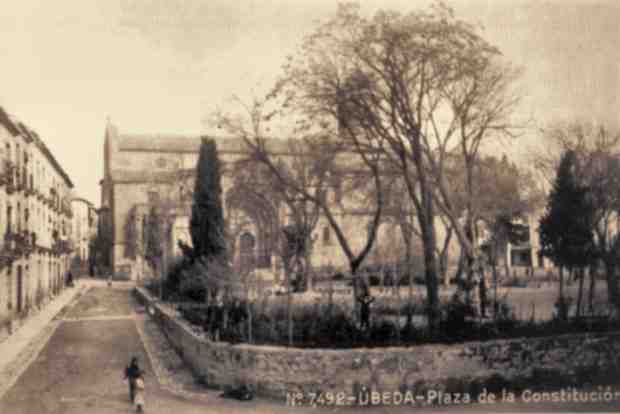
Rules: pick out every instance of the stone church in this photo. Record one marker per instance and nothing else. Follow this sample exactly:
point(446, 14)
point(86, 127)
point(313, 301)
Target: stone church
point(141, 171)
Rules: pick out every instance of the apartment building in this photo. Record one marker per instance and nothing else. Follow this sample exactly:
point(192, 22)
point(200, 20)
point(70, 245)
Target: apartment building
point(84, 228)
point(35, 222)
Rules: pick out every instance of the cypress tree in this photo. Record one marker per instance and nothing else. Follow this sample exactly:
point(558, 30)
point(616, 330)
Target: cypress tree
point(153, 249)
point(566, 228)
point(207, 226)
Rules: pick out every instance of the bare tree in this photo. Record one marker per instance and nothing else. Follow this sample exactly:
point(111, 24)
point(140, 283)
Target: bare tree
point(390, 82)
point(314, 156)
point(292, 239)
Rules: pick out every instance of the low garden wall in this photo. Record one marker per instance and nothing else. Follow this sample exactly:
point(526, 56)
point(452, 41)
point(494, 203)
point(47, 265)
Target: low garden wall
point(275, 371)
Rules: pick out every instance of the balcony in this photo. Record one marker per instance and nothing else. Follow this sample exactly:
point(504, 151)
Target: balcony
point(61, 247)
point(16, 245)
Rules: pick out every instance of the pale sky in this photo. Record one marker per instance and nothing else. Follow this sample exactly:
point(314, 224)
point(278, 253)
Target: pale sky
point(162, 65)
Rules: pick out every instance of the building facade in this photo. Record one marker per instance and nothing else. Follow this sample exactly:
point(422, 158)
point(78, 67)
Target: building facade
point(141, 171)
point(35, 222)
point(84, 225)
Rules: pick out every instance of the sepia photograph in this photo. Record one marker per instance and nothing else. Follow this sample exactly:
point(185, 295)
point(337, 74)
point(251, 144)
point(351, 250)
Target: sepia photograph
point(309, 206)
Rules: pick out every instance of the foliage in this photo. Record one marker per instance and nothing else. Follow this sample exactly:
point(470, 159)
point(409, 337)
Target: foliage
point(131, 235)
point(207, 221)
point(154, 238)
point(562, 306)
point(455, 323)
point(597, 168)
point(200, 280)
point(100, 245)
point(567, 238)
point(325, 326)
point(174, 276)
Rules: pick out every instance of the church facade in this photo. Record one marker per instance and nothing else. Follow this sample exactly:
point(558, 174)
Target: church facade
point(142, 171)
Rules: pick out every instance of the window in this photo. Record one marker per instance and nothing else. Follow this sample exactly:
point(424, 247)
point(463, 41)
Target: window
point(153, 197)
point(9, 283)
point(9, 221)
point(326, 235)
point(144, 223)
point(19, 214)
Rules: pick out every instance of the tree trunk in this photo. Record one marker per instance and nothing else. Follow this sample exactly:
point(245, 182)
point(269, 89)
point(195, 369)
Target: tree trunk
point(410, 282)
point(429, 243)
point(458, 276)
point(443, 268)
point(593, 273)
point(581, 276)
point(495, 304)
point(356, 282)
point(248, 309)
point(398, 305)
point(613, 293)
point(561, 283)
point(562, 308)
point(289, 302)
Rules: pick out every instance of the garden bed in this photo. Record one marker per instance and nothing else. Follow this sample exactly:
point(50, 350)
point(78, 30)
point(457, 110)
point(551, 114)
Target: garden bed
point(275, 371)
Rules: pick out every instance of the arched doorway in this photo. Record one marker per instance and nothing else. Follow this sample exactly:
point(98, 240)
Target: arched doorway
point(255, 220)
point(247, 255)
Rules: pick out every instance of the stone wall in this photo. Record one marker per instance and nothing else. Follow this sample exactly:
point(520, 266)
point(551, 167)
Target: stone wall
point(274, 371)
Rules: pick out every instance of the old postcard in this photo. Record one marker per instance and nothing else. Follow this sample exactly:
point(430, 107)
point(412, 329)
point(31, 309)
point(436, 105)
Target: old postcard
point(309, 206)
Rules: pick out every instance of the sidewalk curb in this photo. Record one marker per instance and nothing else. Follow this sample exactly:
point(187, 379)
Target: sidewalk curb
point(163, 378)
point(11, 372)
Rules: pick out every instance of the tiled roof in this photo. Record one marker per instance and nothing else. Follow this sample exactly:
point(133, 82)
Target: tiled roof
point(8, 123)
point(180, 143)
point(124, 176)
point(48, 154)
point(26, 133)
point(17, 127)
point(83, 200)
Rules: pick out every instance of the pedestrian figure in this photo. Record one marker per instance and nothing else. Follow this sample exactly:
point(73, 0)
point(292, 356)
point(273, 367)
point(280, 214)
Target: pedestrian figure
point(208, 318)
point(217, 318)
point(238, 315)
point(69, 278)
point(139, 394)
point(132, 373)
point(482, 289)
point(365, 301)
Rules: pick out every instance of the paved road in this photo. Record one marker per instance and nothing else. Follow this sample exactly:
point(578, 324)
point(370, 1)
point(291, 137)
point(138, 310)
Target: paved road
point(80, 370)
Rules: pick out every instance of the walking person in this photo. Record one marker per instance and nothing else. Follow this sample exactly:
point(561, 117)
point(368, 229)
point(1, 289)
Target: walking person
point(217, 320)
point(132, 373)
point(365, 302)
point(138, 400)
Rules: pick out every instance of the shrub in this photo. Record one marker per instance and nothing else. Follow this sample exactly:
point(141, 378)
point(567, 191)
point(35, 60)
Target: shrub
point(174, 275)
point(191, 285)
point(454, 323)
point(383, 333)
point(374, 280)
point(562, 306)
